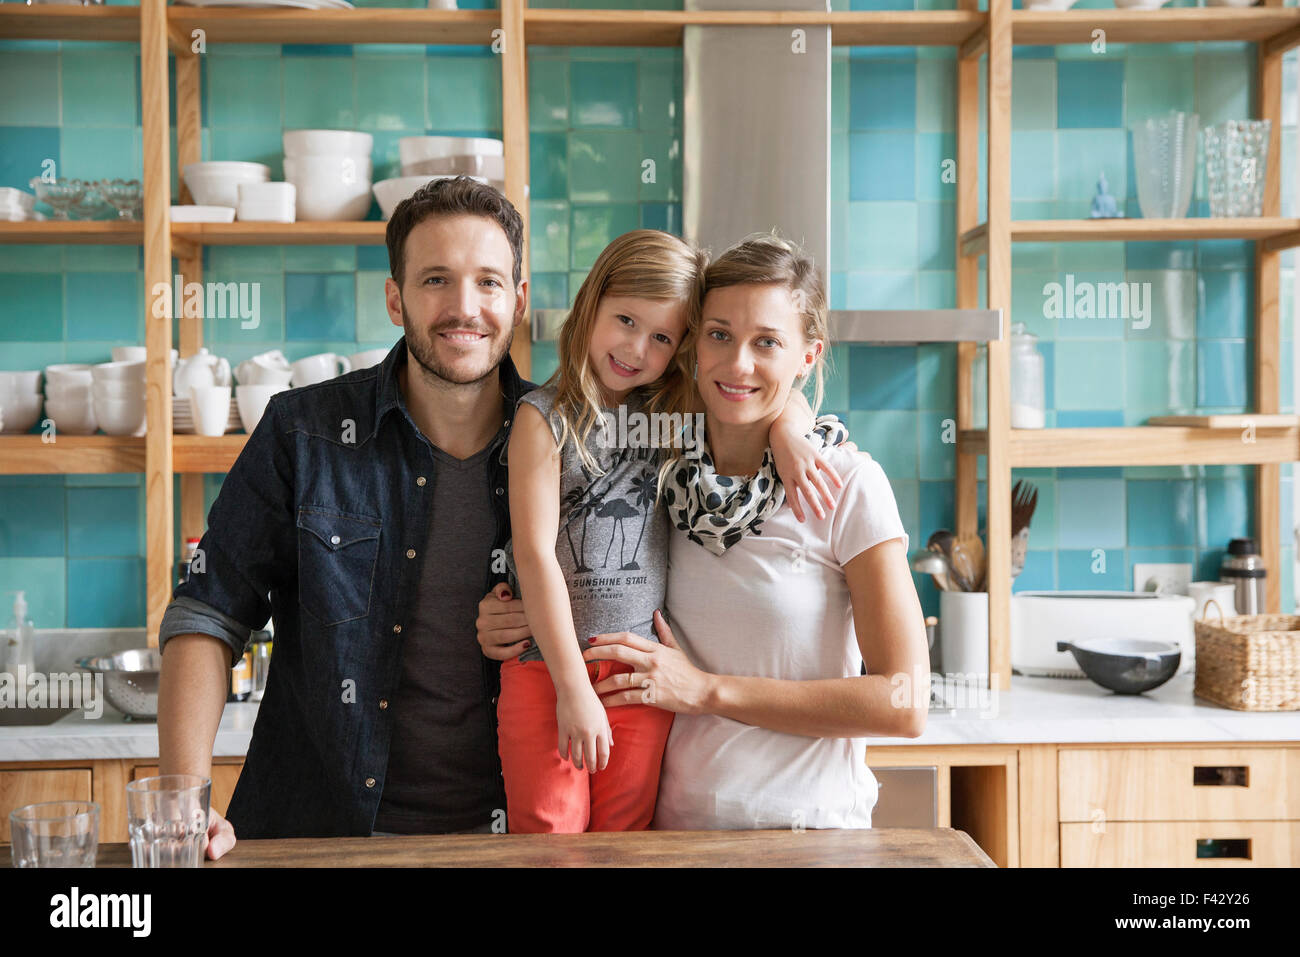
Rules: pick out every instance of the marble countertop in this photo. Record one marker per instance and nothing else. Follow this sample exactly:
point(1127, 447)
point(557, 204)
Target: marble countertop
point(1035, 711)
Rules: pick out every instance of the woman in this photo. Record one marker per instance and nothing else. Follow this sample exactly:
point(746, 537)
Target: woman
point(772, 618)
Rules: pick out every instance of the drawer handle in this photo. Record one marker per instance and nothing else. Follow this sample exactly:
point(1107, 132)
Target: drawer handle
point(1221, 775)
point(1237, 848)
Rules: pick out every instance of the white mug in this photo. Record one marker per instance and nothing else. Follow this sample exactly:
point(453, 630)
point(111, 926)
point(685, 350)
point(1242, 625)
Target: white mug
point(252, 401)
point(210, 407)
point(367, 358)
point(319, 368)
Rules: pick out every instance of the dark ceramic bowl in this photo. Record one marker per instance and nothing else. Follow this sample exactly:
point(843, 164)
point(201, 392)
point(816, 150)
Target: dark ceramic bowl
point(1125, 665)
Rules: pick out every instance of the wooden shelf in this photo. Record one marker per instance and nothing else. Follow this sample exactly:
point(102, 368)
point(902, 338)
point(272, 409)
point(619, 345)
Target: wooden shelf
point(1180, 25)
point(204, 453)
point(665, 27)
point(106, 232)
point(227, 25)
point(360, 233)
point(1278, 232)
point(1137, 446)
point(86, 454)
point(103, 24)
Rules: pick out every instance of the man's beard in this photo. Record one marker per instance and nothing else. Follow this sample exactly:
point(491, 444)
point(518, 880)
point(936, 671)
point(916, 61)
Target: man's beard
point(421, 347)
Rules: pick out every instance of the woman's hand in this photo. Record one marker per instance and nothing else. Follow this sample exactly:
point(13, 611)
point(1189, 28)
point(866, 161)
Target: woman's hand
point(799, 466)
point(585, 735)
point(662, 675)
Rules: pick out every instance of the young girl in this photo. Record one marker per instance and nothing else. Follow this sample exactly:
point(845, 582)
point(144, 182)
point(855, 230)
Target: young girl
point(590, 539)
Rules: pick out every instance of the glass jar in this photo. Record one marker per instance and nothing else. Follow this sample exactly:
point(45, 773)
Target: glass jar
point(1028, 382)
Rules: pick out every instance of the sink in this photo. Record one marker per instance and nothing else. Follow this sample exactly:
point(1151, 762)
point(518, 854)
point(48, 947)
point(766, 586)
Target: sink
point(31, 717)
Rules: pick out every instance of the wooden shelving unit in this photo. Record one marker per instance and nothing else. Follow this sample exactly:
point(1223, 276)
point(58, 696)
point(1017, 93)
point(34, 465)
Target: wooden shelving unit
point(975, 33)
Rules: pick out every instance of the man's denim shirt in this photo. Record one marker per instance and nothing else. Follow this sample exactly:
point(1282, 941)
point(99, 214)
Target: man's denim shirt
point(311, 528)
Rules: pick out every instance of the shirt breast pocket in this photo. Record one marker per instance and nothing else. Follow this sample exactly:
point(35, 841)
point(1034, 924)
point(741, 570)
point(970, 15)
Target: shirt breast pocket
point(336, 564)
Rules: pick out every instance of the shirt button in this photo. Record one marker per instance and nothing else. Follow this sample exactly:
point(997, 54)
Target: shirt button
point(500, 491)
point(383, 704)
point(420, 481)
point(410, 553)
point(370, 782)
point(334, 539)
point(397, 629)
point(507, 422)
point(494, 700)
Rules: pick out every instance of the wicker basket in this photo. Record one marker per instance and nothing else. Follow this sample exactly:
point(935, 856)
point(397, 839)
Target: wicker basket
point(1250, 662)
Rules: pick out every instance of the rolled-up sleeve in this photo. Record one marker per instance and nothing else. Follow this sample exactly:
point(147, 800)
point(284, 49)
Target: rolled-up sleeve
point(249, 548)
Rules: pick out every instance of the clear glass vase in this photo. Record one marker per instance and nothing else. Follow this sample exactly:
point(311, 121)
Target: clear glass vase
point(1164, 159)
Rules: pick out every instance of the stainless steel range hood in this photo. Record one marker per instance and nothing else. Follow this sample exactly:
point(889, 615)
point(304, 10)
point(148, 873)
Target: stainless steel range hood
point(756, 155)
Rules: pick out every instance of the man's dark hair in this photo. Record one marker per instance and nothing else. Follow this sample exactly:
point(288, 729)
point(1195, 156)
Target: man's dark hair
point(459, 196)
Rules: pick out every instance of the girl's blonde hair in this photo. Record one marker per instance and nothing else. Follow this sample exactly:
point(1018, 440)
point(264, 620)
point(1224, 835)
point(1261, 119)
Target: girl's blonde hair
point(644, 264)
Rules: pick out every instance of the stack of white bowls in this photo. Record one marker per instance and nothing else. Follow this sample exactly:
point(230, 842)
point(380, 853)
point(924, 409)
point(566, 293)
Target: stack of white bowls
point(266, 202)
point(16, 205)
point(454, 155)
point(216, 183)
point(68, 400)
point(332, 171)
point(20, 400)
point(117, 389)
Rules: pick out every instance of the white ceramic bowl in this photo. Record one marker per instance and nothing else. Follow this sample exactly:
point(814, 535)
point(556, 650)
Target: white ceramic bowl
point(118, 372)
point(68, 391)
point(488, 166)
point(252, 401)
point(120, 391)
point(19, 412)
point(267, 202)
point(390, 192)
point(217, 183)
point(330, 188)
point(20, 383)
point(129, 353)
point(203, 214)
point(416, 149)
point(327, 143)
point(72, 417)
point(120, 418)
point(1140, 4)
point(68, 372)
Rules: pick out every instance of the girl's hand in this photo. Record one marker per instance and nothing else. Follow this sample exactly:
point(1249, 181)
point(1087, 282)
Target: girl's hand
point(799, 466)
point(662, 675)
point(585, 736)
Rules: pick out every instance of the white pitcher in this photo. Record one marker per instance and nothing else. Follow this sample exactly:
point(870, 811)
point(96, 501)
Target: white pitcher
point(200, 369)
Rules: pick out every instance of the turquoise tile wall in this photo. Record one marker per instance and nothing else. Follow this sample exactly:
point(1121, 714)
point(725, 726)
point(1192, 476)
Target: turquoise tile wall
point(606, 157)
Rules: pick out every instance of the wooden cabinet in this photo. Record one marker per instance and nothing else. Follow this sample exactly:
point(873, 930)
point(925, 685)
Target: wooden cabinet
point(101, 781)
point(1179, 806)
point(20, 788)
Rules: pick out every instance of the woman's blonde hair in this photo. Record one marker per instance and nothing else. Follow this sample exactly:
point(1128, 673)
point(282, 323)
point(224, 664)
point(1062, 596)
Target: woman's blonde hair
point(644, 264)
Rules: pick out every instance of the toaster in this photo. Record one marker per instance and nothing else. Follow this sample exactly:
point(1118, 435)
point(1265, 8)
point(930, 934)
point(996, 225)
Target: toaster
point(1039, 619)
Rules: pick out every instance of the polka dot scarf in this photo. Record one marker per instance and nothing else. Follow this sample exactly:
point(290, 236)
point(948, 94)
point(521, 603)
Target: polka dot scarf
point(717, 511)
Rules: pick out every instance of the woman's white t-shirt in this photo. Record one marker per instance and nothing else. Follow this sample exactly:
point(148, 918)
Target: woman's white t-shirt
point(775, 605)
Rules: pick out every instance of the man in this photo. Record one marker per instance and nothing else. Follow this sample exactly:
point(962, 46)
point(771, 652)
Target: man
point(365, 516)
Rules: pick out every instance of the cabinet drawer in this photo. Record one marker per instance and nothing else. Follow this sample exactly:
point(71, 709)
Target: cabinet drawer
point(20, 788)
point(1179, 784)
point(224, 778)
point(1181, 844)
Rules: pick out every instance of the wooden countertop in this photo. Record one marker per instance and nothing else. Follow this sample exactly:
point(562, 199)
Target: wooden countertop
point(882, 847)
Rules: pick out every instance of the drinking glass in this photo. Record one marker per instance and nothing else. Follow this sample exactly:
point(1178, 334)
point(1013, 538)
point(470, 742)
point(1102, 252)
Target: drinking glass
point(1236, 161)
point(55, 834)
point(1164, 158)
point(166, 818)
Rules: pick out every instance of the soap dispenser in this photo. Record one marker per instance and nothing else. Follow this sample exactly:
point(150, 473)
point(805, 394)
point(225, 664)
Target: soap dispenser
point(19, 641)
